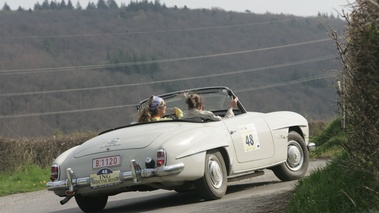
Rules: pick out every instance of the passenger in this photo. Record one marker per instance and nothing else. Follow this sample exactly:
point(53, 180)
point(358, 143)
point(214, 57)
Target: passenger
point(195, 109)
point(155, 109)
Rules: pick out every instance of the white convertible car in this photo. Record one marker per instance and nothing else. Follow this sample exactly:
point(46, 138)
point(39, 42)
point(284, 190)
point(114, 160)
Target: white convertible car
point(182, 154)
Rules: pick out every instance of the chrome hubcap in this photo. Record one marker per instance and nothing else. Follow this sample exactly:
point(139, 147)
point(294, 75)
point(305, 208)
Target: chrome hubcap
point(295, 156)
point(215, 174)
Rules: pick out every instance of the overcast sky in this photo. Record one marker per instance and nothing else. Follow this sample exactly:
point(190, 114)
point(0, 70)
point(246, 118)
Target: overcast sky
point(294, 7)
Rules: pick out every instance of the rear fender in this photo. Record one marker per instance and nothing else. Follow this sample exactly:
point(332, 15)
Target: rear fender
point(191, 147)
point(61, 160)
point(200, 140)
point(62, 157)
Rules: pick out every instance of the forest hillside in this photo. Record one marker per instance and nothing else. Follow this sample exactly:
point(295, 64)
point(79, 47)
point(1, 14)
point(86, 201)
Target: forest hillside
point(75, 69)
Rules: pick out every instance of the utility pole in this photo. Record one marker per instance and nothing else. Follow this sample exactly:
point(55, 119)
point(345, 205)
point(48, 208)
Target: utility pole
point(341, 101)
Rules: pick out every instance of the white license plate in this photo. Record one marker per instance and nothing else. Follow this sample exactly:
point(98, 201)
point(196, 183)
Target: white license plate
point(106, 162)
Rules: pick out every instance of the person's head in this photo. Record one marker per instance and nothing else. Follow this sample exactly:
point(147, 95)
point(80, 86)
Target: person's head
point(155, 107)
point(194, 101)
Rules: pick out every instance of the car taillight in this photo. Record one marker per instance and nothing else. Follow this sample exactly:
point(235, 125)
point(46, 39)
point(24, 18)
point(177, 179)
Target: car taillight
point(161, 157)
point(54, 174)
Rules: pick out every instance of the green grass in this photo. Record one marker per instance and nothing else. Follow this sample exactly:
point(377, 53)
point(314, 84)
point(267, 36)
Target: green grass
point(340, 186)
point(336, 188)
point(26, 179)
point(328, 141)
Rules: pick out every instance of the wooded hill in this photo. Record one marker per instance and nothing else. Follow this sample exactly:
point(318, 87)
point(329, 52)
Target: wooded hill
point(73, 70)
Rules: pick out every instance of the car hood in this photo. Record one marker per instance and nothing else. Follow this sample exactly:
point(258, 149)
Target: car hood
point(132, 137)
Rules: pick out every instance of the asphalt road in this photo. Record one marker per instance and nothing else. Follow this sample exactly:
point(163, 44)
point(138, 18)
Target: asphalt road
point(242, 196)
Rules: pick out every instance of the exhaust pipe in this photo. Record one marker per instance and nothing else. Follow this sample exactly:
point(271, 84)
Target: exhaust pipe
point(66, 199)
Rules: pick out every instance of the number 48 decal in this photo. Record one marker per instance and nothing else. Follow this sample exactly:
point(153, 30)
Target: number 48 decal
point(250, 137)
point(249, 140)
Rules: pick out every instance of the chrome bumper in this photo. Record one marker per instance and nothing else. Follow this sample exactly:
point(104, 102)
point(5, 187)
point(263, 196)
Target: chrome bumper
point(134, 176)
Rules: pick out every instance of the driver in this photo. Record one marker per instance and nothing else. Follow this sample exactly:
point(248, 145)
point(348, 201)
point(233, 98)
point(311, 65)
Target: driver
point(155, 109)
point(195, 109)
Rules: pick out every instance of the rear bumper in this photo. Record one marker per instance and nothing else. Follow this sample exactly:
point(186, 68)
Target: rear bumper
point(134, 176)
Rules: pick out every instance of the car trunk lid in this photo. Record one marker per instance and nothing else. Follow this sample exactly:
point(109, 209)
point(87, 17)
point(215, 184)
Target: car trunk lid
point(132, 137)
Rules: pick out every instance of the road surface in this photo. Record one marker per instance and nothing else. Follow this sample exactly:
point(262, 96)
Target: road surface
point(258, 194)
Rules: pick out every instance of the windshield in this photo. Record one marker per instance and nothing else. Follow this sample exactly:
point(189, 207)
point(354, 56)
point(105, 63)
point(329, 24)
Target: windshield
point(214, 99)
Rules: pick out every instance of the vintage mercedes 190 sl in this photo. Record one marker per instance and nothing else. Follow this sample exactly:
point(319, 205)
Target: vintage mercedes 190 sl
point(183, 154)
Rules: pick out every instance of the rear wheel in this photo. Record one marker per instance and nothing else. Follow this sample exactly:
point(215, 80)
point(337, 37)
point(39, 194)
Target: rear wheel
point(297, 159)
point(213, 184)
point(91, 204)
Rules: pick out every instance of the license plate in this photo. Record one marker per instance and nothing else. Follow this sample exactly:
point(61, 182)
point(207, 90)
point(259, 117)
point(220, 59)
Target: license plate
point(106, 162)
point(105, 177)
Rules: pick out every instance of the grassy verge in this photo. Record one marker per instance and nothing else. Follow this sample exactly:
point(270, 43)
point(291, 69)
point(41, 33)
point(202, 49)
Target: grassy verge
point(336, 188)
point(25, 179)
point(328, 140)
point(29, 167)
point(339, 187)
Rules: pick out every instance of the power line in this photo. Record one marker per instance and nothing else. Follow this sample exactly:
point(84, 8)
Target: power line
point(323, 58)
point(144, 32)
point(102, 66)
point(65, 112)
point(129, 105)
point(288, 82)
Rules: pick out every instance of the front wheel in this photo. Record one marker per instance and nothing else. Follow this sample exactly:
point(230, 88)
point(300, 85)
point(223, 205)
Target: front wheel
point(297, 159)
point(213, 184)
point(91, 204)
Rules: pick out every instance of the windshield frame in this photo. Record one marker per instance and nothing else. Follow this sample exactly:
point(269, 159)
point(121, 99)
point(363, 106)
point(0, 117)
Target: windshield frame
point(214, 98)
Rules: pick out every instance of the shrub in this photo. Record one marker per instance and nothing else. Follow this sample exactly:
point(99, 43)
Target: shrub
point(361, 86)
point(16, 152)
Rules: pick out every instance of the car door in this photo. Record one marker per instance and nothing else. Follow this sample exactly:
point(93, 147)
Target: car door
point(252, 139)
